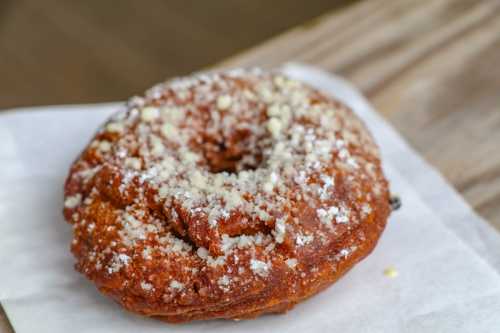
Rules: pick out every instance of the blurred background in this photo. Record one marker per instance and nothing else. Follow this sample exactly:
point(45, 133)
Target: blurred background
point(430, 67)
point(60, 51)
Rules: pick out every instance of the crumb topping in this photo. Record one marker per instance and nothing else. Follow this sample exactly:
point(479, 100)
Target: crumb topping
point(230, 174)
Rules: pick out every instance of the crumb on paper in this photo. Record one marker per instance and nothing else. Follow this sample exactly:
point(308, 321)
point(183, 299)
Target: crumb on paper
point(391, 272)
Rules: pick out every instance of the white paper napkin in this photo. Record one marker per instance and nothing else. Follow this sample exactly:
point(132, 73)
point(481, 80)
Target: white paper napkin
point(447, 257)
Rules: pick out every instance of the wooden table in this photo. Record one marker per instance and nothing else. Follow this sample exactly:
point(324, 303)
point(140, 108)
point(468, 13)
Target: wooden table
point(432, 68)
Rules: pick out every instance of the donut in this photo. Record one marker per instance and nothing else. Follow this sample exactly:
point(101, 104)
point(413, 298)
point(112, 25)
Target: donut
point(227, 194)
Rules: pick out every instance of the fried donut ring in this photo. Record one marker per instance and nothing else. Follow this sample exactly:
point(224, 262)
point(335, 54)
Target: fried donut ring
point(225, 195)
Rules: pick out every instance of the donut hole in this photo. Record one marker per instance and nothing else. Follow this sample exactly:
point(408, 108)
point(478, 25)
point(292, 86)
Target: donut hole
point(230, 159)
point(239, 152)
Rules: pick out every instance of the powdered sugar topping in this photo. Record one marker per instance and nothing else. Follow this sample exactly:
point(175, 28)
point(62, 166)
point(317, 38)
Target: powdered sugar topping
point(242, 150)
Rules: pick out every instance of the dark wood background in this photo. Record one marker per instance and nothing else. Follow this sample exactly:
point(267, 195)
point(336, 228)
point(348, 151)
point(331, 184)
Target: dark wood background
point(64, 51)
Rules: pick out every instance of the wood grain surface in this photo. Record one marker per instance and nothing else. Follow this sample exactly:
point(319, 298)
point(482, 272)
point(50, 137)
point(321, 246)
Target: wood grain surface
point(432, 68)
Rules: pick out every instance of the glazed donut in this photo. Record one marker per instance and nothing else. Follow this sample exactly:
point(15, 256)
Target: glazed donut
point(225, 195)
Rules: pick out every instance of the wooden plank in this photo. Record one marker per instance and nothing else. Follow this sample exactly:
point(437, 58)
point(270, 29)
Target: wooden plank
point(448, 106)
point(430, 67)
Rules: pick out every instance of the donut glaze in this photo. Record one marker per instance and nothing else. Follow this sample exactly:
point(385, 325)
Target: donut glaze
point(225, 195)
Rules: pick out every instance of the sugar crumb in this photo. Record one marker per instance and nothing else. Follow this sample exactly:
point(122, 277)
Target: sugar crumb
point(391, 272)
point(176, 285)
point(259, 267)
point(73, 201)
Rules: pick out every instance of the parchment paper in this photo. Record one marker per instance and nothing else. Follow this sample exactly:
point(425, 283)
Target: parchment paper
point(448, 259)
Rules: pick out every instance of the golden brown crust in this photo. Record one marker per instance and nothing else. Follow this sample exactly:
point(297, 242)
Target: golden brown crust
point(225, 195)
